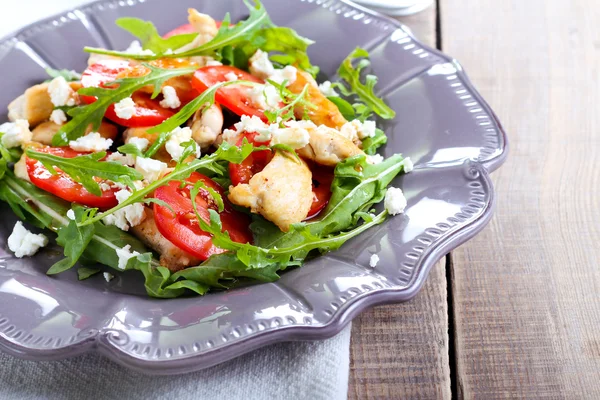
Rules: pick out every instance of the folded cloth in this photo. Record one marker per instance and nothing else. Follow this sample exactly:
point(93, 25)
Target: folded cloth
point(298, 370)
point(295, 370)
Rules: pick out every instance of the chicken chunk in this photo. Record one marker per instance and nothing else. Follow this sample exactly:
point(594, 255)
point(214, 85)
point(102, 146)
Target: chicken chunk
point(207, 125)
point(45, 131)
point(34, 105)
point(282, 192)
point(20, 169)
point(325, 112)
point(171, 256)
point(327, 146)
point(206, 27)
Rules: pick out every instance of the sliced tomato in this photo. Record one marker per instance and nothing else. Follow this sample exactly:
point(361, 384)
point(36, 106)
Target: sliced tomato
point(62, 185)
point(253, 164)
point(183, 230)
point(148, 112)
point(322, 177)
point(236, 98)
point(185, 28)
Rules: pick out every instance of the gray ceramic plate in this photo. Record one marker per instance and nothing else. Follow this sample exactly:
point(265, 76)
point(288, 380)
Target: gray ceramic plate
point(442, 124)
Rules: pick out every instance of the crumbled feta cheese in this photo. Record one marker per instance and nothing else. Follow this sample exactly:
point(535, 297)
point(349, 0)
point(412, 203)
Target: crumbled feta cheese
point(15, 133)
point(211, 62)
point(60, 92)
point(141, 143)
point(356, 129)
point(231, 76)
point(295, 137)
point(178, 136)
point(125, 254)
point(171, 100)
point(93, 141)
point(287, 75)
point(252, 124)
point(71, 215)
point(373, 260)
point(375, 159)
point(408, 165)
point(230, 136)
point(24, 243)
point(124, 159)
point(151, 169)
point(260, 65)
point(136, 48)
point(394, 202)
point(265, 97)
point(58, 117)
point(125, 108)
point(105, 186)
point(327, 89)
point(168, 51)
point(108, 276)
point(130, 215)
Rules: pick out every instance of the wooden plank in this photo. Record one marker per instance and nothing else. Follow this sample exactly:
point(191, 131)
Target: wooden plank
point(527, 290)
point(401, 351)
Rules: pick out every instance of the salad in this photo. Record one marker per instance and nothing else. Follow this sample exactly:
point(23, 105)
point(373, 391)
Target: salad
point(205, 158)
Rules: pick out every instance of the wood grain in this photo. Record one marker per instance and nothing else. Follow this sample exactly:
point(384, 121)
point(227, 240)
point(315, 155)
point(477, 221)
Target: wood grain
point(527, 290)
point(401, 351)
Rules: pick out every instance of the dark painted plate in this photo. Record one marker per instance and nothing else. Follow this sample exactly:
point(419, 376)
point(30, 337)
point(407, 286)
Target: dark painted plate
point(442, 123)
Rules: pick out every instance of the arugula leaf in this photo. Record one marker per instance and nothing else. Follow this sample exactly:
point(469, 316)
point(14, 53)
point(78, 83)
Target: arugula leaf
point(83, 169)
point(69, 75)
point(130, 148)
point(227, 35)
point(158, 143)
point(93, 113)
point(365, 91)
point(235, 56)
point(290, 100)
point(9, 155)
point(84, 273)
point(371, 144)
point(146, 32)
point(345, 108)
point(75, 240)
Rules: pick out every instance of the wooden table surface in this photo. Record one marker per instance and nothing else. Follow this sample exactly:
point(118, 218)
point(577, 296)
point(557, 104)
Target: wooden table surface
point(515, 312)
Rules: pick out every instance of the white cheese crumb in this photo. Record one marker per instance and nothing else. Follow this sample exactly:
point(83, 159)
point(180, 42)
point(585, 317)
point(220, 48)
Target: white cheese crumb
point(251, 124)
point(357, 129)
point(15, 133)
point(131, 215)
point(104, 186)
point(125, 108)
point(178, 136)
point(58, 117)
point(265, 97)
point(327, 89)
point(150, 168)
point(394, 202)
point(375, 159)
point(108, 276)
point(260, 65)
point(60, 92)
point(24, 243)
point(124, 159)
point(93, 141)
point(296, 138)
point(141, 143)
point(171, 100)
point(168, 51)
point(288, 75)
point(125, 254)
point(71, 215)
point(408, 165)
point(211, 62)
point(136, 48)
point(231, 76)
point(373, 260)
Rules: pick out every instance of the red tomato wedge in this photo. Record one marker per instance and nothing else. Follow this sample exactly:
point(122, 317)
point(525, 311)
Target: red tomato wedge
point(185, 28)
point(182, 228)
point(322, 177)
point(236, 98)
point(62, 185)
point(148, 112)
point(253, 164)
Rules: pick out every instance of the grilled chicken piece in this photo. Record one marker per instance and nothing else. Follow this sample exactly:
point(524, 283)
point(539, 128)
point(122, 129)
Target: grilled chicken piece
point(207, 125)
point(45, 131)
point(34, 105)
point(205, 25)
point(282, 192)
point(327, 146)
point(325, 112)
point(171, 256)
point(161, 154)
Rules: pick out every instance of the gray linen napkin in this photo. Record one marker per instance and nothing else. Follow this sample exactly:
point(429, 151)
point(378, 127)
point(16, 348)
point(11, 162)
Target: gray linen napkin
point(299, 370)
